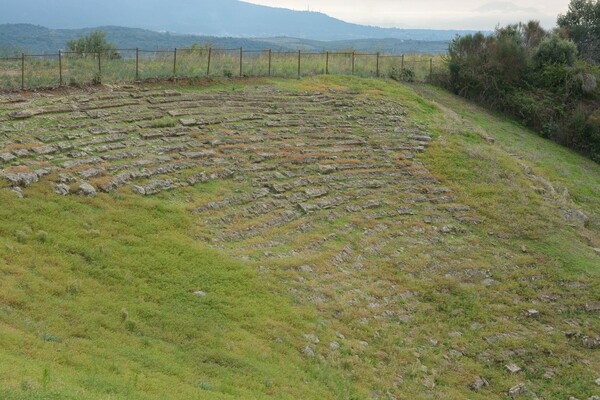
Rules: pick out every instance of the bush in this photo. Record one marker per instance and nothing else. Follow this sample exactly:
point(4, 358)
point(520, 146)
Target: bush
point(521, 71)
point(402, 74)
point(555, 51)
point(94, 43)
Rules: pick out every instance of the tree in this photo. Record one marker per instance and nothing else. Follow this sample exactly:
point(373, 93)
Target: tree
point(555, 51)
point(582, 25)
point(94, 43)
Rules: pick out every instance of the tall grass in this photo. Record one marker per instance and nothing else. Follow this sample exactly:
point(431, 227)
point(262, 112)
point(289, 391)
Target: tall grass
point(35, 71)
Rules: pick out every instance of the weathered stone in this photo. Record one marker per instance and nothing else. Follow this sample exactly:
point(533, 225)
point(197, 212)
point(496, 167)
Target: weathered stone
point(188, 122)
point(44, 150)
point(85, 189)
point(531, 313)
point(21, 153)
point(591, 343)
point(354, 208)
point(316, 192)
point(420, 138)
point(200, 293)
point(78, 163)
point(17, 191)
point(517, 391)
point(92, 172)
point(458, 208)
point(327, 169)
point(448, 229)
point(22, 114)
point(308, 351)
point(406, 211)
point(306, 269)
point(198, 178)
point(62, 189)
point(6, 157)
point(334, 346)
point(576, 217)
point(372, 204)
point(488, 282)
point(25, 178)
point(513, 368)
point(151, 135)
point(312, 338)
point(593, 306)
point(308, 208)
point(154, 187)
point(549, 374)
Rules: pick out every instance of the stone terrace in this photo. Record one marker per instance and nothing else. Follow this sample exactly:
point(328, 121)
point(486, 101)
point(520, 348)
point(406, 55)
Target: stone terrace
point(298, 159)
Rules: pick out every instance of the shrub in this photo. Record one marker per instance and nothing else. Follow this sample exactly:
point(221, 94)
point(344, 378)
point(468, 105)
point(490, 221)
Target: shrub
point(402, 74)
point(555, 51)
point(94, 43)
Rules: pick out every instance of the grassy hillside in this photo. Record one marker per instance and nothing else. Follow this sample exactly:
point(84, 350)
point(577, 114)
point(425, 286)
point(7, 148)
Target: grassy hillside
point(324, 238)
point(39, 40)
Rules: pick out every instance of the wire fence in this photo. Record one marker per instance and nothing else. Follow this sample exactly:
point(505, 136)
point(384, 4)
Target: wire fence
point(136, 65)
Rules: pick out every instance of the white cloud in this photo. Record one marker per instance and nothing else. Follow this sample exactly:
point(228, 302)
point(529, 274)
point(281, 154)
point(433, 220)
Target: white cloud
point(438, 14)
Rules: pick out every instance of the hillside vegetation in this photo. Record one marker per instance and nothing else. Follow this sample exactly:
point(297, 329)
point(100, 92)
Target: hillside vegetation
point(31, 39)
point(322, 238)
point(546, 79)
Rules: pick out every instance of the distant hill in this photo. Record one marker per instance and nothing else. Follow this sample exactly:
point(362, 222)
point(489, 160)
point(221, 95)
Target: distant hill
point(204, 17)
point(38, 39)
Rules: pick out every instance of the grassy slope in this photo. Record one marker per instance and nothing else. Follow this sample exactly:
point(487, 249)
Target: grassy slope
point(97, 302)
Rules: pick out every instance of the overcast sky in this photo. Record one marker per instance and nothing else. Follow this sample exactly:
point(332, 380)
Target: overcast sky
point(438, 14)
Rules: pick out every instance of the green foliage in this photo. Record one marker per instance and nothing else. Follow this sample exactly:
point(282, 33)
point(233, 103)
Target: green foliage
point(555, 51)
point(93, 43)
point(522, 71)
point(582, 24)
point(13, 51)
point(402, 74)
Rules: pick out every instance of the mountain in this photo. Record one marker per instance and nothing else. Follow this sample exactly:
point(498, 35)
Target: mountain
point(38, 39)
point(34, 39)
point(204, 17)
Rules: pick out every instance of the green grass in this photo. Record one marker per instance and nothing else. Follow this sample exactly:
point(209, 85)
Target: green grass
point(97, 295)
point(102, 305)
point(44, 71)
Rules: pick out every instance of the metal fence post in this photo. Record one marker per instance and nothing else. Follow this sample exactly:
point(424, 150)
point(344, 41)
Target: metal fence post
point(60, 77)
point(299, 63)
point(22, 71)
point(353, 57)
point(402, 65)
point(241, 61)
point(175, 62)
point(99, 69)
point(327, 63)
point(137, 64)
point(208, 68)
point(270, 55)
point(430, 69)
point(378, 64)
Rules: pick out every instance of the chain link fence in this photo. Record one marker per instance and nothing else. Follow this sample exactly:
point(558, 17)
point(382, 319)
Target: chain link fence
point(134, 65)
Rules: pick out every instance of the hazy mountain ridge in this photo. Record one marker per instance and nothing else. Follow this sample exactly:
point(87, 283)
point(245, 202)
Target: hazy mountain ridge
point(38, 39)
point(206, 17)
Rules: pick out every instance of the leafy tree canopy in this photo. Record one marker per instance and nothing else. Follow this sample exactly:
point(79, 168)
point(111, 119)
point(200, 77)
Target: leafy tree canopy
point(93, 43)
point(582, 24)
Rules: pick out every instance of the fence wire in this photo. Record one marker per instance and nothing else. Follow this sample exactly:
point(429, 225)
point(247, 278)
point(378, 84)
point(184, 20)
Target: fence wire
point(128, 65)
